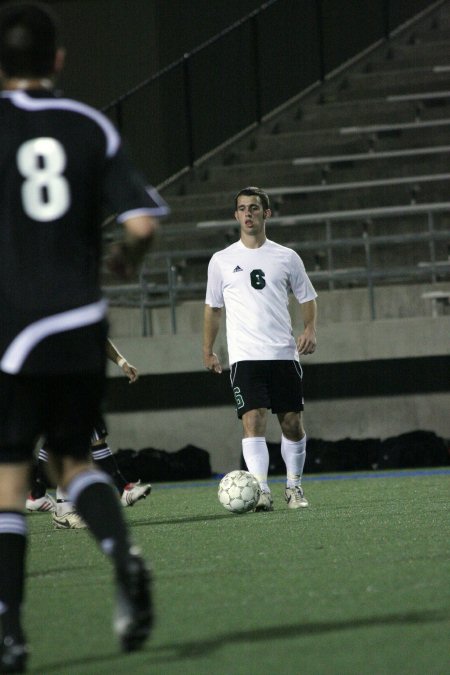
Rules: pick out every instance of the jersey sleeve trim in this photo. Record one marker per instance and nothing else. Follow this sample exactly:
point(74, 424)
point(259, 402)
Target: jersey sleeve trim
point(161, 208)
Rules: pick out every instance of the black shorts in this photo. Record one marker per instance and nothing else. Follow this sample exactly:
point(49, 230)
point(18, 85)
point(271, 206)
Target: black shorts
point(275, 385)
point(63, 408)
point(100, 432)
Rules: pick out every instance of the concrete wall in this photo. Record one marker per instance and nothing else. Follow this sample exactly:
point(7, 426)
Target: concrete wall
point(217, 429)
point(391, 302)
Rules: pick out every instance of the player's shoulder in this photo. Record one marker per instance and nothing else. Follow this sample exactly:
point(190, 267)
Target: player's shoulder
point(28, 103)
point(95, 116)
point(279, 248)
point(33, 101)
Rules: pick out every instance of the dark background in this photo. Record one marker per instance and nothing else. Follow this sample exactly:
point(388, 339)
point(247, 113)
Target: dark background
point(114, 45)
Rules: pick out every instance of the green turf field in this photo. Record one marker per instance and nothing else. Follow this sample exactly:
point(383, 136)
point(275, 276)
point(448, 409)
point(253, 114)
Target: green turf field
point(357, 584)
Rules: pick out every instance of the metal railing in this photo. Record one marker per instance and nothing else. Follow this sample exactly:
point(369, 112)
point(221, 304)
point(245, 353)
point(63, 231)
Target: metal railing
point(171, 289)
point(320, 39)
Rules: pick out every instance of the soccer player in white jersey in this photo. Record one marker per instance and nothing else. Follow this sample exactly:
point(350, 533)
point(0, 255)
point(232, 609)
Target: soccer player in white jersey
point(252, 279)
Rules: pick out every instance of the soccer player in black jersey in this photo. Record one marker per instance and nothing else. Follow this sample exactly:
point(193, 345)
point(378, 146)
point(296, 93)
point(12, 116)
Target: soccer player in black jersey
point(64, 514)
point(62, 166)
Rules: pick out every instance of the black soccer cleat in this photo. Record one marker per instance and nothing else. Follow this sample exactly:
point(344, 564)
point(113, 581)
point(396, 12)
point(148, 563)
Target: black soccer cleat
point(13, 655)
point(133, 618)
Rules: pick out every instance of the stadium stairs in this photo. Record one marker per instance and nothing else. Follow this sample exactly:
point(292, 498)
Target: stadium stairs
point(376, 135)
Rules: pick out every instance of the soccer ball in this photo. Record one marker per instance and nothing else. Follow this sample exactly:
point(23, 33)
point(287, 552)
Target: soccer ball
point(239, 491)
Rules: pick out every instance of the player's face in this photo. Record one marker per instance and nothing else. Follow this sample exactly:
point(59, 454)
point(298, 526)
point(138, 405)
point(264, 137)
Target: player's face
point(250, 214)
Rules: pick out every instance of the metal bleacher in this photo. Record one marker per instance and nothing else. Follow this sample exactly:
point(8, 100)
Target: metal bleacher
point(357, 171)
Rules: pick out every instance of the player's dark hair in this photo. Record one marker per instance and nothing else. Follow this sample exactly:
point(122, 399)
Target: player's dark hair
point(250, 191)
point(28, 40)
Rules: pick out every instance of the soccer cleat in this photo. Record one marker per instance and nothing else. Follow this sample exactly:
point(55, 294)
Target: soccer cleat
point(13, 655)
point(133, 492)
point(295, 497)
point(46, 503)
point(265, 502)
point(68, 521)
point(133, 618)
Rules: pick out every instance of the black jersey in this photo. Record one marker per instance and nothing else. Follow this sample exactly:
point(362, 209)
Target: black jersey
point(61, 167)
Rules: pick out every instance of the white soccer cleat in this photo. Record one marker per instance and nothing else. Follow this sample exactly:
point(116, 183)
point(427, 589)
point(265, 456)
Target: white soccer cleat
point(295, 498)
point(68, 521)
point(44, 504)
point(265, 502)
point(133, 492)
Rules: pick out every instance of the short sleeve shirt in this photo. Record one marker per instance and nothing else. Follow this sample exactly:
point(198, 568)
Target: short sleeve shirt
point(254, 286)
point(62, 166)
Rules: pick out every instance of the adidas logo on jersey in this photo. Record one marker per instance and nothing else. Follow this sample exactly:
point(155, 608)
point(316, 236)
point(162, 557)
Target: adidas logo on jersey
point(238, 269)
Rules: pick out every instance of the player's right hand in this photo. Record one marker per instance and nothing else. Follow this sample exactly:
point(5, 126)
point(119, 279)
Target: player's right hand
point(124, 258)
point(118, 263)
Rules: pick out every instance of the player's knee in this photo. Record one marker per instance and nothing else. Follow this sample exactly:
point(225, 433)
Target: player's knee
point(292, 427)
point(99, 444)
point(254, 422)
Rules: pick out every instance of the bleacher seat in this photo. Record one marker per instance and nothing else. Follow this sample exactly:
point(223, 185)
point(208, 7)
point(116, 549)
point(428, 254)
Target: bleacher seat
point(376, 136)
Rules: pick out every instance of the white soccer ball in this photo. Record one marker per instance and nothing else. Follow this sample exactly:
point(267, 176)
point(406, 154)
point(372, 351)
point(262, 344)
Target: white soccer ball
point(239, 491)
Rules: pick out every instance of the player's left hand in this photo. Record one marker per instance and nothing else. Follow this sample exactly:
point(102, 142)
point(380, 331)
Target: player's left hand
point(307, 341)
point(212, 364)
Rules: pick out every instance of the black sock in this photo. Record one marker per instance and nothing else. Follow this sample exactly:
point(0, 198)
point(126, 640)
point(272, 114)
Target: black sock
point(107, 463)
point(98, 505)
point(40, 480)
point(12, 570)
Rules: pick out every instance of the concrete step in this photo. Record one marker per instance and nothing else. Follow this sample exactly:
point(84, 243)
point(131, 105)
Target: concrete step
point(277, 174)
point(409, 76)
point(365, 85)
point(221, 205)
point(428, 59)
point(374, 111)
point(329, 141)
point(400, 56)
point(424, 36)
point(226, 230)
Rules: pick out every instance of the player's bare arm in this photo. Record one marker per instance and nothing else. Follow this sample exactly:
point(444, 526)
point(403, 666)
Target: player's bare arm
point(211, 327)
point(141, 227)
point(116, 357)
point(307, 341)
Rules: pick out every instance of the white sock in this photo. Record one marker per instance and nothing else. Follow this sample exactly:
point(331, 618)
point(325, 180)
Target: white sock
point(293, 454)
point(256, 456)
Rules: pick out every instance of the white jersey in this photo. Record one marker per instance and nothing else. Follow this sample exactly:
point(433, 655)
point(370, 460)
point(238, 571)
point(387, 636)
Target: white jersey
point(254, 286)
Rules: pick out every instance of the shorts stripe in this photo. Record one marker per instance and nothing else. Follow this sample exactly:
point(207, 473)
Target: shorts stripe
point(233, 372)
point(298, 368)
